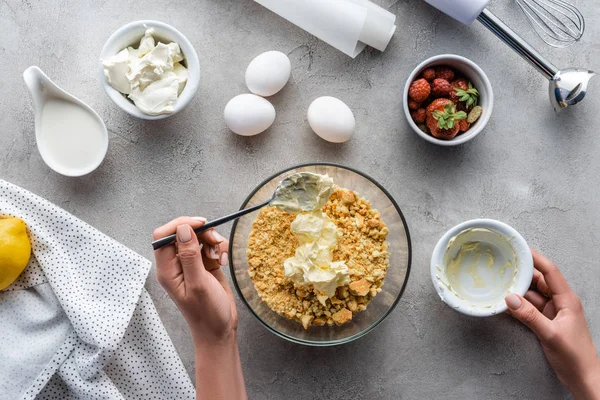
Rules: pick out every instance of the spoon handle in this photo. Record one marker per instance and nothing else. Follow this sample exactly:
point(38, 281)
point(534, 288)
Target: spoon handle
point(157, 244)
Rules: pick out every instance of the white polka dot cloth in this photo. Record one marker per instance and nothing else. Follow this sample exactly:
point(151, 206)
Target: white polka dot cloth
point(78, 323)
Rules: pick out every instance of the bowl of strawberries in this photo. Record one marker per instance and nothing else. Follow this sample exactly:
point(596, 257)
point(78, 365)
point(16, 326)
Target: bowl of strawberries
point(448, 100)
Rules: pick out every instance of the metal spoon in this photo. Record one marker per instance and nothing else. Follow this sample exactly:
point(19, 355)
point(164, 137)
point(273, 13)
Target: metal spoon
point(299, 192)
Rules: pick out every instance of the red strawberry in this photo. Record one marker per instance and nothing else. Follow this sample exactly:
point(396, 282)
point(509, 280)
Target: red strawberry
point(432, 123)
point(419, 115)
point(463, 125)
point(437, 104)
point(413, 105)
point(458, 83)
point(461, 83)
point(440, 88)
point(429, 74)
point(444, 73)
point(419, 90)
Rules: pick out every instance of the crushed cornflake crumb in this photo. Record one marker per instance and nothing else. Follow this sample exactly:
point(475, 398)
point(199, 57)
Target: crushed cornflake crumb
point(360, 287)
point(361, 245)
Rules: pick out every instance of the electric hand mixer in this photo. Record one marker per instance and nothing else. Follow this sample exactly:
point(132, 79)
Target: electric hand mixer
point(567, 86)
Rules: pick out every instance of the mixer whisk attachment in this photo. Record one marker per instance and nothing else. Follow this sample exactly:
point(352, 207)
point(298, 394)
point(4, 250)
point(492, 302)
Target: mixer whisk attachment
point(556, 22)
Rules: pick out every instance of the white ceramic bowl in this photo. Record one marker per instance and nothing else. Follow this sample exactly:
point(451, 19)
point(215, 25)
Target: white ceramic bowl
point(472, 72)
point(489, 299)
point(130, 35)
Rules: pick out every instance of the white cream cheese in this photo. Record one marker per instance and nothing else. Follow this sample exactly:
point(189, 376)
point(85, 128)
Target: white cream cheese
point(152, 75)
point(303, 192)
point(313, 264)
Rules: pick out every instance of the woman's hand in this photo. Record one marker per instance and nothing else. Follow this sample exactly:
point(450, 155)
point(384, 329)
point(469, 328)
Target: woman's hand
point(190, 272)
point(555, 314)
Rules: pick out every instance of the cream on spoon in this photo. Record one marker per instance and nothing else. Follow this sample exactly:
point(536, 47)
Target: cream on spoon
point(71, 137)
point(298, 192)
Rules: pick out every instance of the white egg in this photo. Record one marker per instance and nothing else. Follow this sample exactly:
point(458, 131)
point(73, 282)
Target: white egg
point(268, 73)
point(248, 114)
point(331, 119)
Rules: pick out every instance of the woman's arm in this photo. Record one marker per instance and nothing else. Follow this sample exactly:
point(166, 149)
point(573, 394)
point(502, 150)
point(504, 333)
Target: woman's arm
point(219, 371)
point(190, 272)
point(555, 314)
point(589, 388)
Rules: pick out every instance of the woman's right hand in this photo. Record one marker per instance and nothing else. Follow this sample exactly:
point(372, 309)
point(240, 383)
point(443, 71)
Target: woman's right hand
point(190, 271)
point(555, 314)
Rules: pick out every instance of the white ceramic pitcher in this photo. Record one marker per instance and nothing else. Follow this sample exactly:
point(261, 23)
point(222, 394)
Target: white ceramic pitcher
point(71, 137)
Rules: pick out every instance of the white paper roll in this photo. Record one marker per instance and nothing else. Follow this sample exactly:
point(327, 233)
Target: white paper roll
point(347, 25)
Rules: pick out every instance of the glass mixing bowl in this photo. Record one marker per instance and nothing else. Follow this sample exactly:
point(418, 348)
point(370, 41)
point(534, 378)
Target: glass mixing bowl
point(381, 305)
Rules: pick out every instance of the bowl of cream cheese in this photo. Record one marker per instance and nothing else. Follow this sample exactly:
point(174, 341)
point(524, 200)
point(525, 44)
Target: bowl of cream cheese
point(149, 69)
point(476, 264)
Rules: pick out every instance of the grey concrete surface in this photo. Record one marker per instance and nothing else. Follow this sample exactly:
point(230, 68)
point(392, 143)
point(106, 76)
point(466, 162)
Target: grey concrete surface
point(530, 168)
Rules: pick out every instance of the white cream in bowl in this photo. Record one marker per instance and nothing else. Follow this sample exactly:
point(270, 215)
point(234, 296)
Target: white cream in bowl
point(152, 75)
point(152, 64)
point(476, 264)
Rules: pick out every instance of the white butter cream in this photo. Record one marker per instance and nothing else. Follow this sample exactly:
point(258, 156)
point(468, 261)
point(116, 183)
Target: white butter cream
point(151, 75)
point(312, 263)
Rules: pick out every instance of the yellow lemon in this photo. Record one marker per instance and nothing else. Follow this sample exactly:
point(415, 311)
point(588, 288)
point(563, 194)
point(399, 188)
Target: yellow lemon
point(15, 250)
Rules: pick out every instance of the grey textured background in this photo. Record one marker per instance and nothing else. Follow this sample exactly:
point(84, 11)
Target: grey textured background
point(530, 168)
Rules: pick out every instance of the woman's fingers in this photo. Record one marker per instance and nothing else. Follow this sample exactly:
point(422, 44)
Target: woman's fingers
point(211, 237)
point(170, 227)
point(556, 282)
point(166, 254)
point(549, 310)
point(187, 258)
point(536, 299)
point(540, 284)
point(561, 293)
point(530, 316)
point(168, 270)
point(215, 256)
point(188, 252)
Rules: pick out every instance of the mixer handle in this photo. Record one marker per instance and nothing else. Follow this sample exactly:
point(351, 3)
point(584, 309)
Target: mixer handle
point(517, 43)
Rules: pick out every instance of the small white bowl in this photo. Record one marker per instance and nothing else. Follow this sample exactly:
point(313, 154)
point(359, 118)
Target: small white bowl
point(472, 72)
point(489, 298)
point(130, 35)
